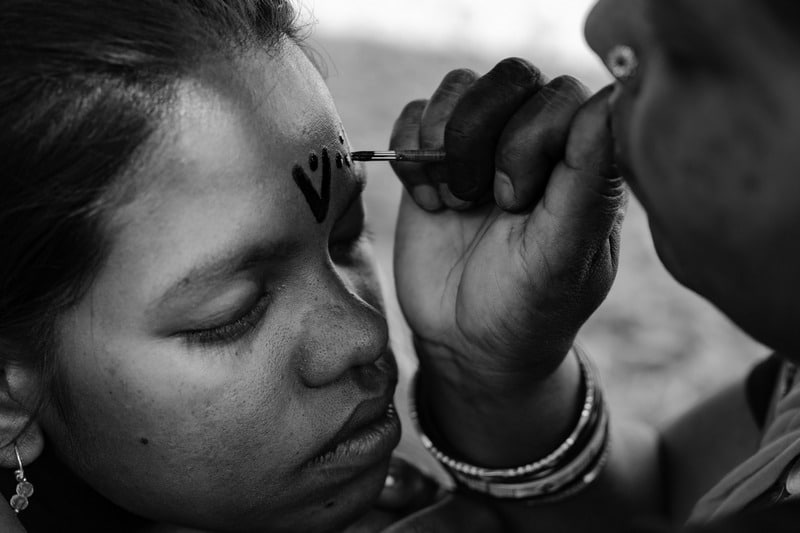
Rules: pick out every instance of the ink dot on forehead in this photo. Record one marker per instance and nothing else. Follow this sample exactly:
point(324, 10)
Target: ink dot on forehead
point(313, 162)
point(339, 160)
point(144, 441)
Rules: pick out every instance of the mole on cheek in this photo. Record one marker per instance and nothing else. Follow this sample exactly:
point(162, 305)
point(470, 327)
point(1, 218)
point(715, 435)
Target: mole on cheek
point(144, 441)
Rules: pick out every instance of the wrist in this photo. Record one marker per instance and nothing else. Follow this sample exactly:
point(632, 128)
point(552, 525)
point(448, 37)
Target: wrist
point(472, 372)
point(499, 422)
point(565, 470)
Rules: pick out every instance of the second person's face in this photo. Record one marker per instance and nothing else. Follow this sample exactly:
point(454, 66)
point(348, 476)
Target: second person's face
point(706, 137)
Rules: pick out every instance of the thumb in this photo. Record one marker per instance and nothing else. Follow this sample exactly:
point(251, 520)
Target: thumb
point(585, 198)
point(454, 514)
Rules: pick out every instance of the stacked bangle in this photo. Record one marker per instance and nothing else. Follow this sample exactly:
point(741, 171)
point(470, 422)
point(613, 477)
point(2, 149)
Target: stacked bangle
point(571, 467)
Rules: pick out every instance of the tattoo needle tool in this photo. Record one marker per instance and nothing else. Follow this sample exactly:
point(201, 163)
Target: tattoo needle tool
point(411, 156)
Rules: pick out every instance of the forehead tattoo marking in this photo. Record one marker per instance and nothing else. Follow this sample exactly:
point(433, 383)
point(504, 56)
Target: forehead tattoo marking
point(318, 202)
point(346, 159)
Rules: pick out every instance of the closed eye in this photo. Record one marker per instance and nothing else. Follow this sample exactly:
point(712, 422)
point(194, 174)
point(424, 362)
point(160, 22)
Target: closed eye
point(230, 330)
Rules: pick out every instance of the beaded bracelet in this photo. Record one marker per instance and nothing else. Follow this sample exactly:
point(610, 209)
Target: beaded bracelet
point(563, 469)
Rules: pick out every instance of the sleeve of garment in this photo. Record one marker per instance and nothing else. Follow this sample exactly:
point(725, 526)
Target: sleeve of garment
point(781, 518)
point(760, 387)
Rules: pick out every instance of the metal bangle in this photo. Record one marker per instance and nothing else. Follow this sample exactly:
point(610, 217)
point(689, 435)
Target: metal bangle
point(540, 467)
point(573, 477)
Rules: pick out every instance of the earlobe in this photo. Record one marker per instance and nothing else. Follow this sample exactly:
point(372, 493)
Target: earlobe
point(19, 388)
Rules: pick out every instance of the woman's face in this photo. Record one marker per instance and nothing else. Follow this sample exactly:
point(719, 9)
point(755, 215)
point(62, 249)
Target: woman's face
point(707, 135)
point(229, 368)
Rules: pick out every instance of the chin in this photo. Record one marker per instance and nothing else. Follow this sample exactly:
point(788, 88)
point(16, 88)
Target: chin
point(333, 509)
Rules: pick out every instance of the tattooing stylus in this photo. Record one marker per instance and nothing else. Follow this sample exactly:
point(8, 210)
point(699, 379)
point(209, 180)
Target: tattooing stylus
point(411, 156)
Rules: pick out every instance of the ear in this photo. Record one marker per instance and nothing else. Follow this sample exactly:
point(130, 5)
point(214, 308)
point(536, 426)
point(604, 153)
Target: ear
point(19, 388)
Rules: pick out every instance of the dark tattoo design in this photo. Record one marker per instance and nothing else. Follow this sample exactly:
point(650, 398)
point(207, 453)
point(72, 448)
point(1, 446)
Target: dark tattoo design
point(318, 202)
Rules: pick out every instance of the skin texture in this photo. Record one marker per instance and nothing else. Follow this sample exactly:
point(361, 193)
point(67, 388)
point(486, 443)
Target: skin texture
point(482, 286)
point(705, 134)
point(222, 434)
point(703, 153)
point(710, 151)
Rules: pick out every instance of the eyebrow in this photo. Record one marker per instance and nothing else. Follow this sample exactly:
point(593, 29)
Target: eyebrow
point(227, 264)
point(222, 267)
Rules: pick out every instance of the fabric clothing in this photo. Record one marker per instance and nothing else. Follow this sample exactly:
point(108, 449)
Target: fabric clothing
point(760, 386)
point(763, 479)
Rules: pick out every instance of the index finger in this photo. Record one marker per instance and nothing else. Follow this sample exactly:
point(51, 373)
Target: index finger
point(478, 120)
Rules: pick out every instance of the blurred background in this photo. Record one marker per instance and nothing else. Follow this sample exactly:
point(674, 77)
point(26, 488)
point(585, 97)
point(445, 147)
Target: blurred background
point(659, 348)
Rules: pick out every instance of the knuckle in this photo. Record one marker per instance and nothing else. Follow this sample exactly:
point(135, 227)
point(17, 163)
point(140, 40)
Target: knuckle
point(456, 133)
point(459, 77)
point(568, 89)
point(414, 108)
point(517, 71)
point(454, 85)
point(509, 155)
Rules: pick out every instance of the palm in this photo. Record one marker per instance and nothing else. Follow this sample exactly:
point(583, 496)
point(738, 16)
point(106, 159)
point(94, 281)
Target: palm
point(481, 280)
point(433, 255)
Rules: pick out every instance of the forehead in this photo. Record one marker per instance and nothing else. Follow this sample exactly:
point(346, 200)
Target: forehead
point(274, 106)
point(237, 127)
point(220, 178)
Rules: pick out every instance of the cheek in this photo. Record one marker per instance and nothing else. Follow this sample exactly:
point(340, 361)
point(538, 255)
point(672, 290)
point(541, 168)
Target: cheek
point(694, 158)
point(153, 422)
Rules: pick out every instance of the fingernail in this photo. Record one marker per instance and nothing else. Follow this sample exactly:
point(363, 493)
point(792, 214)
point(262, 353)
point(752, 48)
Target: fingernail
point(450, 200)
point(503, 190)
point(427, 198)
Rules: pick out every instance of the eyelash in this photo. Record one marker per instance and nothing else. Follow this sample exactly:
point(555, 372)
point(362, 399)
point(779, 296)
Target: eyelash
point(231, 331)
point(342, 252)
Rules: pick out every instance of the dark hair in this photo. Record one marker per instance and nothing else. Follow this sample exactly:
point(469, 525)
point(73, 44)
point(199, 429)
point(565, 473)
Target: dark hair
point(82, 88)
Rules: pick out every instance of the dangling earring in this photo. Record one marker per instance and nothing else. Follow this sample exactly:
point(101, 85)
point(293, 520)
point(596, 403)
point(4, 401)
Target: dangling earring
point(19, 501)
point(622, 62)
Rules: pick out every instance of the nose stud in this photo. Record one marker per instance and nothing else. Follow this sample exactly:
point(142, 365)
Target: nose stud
point(622, 62)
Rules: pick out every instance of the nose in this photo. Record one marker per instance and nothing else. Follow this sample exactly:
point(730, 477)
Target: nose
point(617, 22)
point(343, 331)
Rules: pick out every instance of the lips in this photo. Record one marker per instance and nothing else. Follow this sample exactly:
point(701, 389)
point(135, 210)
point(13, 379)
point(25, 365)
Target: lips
point(373, 429)
point(369, 433)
